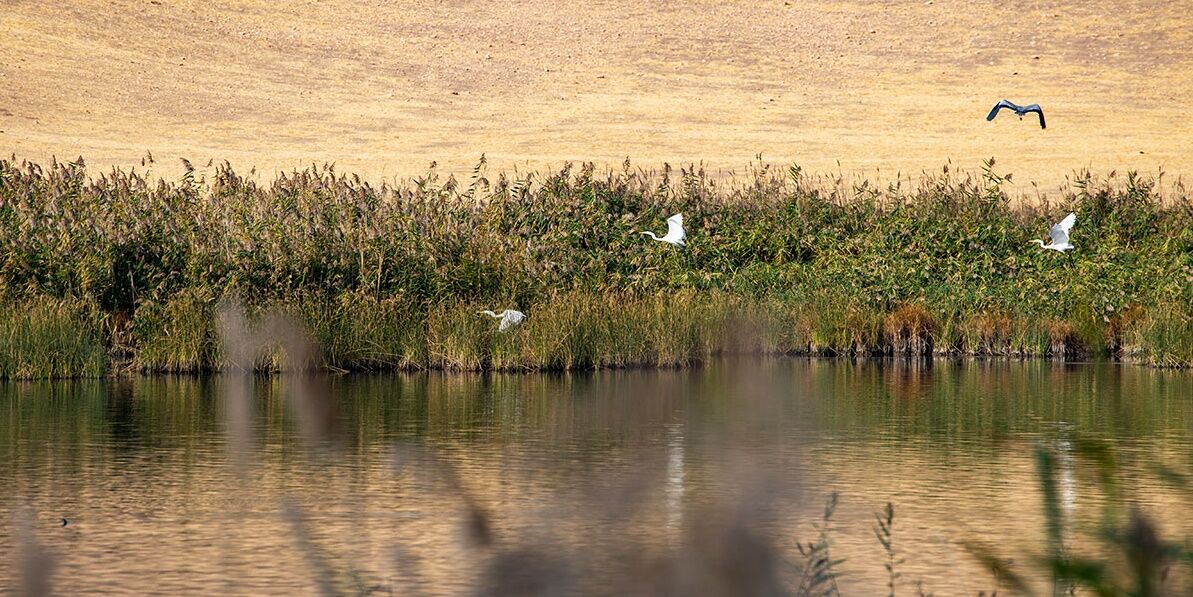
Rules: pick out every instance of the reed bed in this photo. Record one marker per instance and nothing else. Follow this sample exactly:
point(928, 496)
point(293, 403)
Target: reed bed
point(392, 276)
point(45, 337)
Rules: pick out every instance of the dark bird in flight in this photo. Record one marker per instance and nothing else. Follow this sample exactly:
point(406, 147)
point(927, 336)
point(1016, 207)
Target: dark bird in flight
point(1020, 111)
point(64, 522)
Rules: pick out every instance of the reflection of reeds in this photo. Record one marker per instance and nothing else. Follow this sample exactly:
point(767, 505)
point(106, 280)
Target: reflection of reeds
point(384, 276)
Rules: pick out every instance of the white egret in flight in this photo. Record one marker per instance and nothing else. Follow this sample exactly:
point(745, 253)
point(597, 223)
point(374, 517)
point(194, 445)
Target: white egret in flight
point(1059, 234)
point(509, 318)
point(675, 231)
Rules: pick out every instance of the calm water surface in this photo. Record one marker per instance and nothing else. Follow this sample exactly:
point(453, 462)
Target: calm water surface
point(200, 486)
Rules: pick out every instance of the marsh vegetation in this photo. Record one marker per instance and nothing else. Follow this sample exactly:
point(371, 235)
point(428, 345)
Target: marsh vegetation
point(110, 272)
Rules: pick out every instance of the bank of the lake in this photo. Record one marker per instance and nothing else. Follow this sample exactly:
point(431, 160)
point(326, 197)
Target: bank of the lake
point(104, 273)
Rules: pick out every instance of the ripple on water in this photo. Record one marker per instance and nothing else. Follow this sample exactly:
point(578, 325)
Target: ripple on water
point(591, 465)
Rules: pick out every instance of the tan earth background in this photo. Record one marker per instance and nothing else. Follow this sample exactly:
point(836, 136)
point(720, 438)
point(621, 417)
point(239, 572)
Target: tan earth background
point(865, 89)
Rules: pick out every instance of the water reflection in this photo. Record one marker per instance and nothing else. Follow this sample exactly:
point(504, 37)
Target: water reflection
point(183, 485)
point(1062, 449)
point(675, 476)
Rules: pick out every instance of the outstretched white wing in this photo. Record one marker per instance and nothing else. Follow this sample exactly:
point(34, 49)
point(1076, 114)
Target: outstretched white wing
point(1060, 231)
point(675, 231)
point(511, 319)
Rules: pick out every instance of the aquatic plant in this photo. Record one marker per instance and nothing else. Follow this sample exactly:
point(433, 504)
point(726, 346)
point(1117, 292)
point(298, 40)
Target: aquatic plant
point(819, 573)
point(1132, 556)
point(43, 337)
point(885, 532)
point(385, 276)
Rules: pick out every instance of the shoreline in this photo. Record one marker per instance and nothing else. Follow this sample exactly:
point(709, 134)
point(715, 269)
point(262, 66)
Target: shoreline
point(897, 361)
point(201, 339)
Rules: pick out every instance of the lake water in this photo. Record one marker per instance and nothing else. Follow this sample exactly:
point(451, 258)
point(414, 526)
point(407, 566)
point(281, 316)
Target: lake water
point(608, 482)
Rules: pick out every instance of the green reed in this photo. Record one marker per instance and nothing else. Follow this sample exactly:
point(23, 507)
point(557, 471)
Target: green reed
point(391, 276)
point(45, 337)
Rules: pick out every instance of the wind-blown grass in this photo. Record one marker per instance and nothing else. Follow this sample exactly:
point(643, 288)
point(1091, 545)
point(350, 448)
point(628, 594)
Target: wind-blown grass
point(389, 276)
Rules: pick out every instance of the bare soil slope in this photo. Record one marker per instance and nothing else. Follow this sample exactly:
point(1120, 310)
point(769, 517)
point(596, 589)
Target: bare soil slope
point(383, 88)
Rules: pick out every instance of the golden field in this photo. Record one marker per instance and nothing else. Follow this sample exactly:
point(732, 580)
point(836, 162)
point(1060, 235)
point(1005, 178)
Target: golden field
point(867, 90)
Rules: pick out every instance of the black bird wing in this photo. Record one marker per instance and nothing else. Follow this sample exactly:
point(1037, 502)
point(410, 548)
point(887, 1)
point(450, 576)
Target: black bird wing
point(1000, 105)
point(1038, 110)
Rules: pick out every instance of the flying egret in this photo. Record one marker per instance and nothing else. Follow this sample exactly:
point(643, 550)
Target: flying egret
point(1059, 234)
point(675, 231)
point(1020, 111)
point(509, 318)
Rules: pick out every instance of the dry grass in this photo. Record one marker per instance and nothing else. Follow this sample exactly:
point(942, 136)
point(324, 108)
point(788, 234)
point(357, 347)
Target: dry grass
point(992, 333)
point(1062, 339)
point(910, 330)
point(385, 88)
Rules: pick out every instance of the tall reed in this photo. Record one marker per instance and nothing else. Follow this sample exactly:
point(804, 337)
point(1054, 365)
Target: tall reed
point(43, 337)
point(390, 276)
